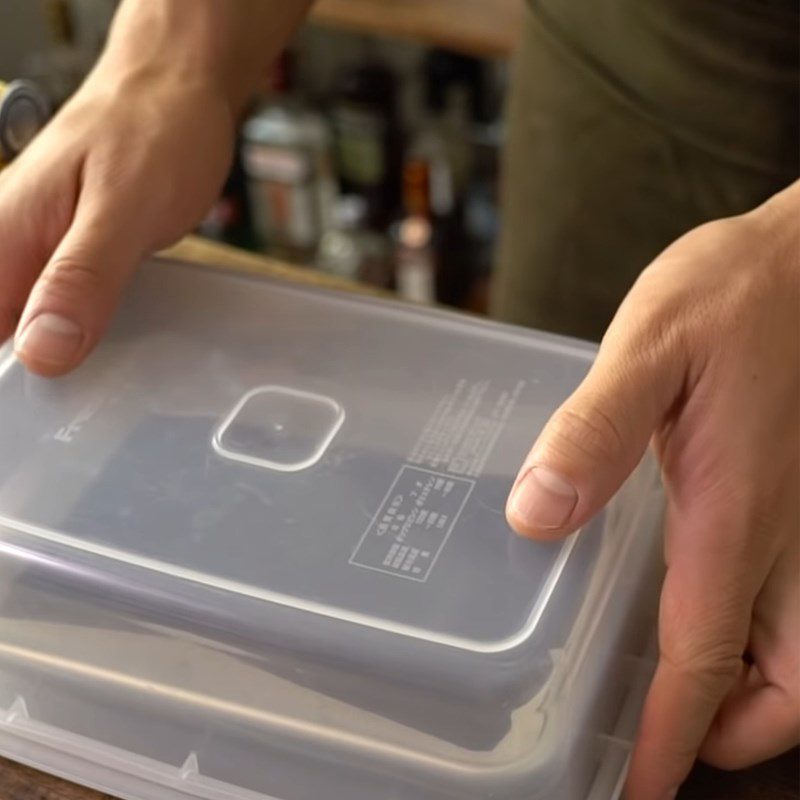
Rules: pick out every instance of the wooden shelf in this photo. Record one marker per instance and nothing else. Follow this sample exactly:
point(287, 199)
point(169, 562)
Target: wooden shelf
point(487, 28)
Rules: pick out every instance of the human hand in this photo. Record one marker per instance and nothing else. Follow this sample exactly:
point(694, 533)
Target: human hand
point(127, 167)
point(131, 163)
point(703, 356)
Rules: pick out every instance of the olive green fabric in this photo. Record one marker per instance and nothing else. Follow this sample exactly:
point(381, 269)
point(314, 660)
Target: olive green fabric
point(630, 122)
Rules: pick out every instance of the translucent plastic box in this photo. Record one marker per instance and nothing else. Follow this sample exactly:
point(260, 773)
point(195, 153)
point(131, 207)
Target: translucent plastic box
point(255, 548)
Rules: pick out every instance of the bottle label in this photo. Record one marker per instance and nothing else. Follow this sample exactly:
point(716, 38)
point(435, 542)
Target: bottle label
point(282, 195)
point(282, 164)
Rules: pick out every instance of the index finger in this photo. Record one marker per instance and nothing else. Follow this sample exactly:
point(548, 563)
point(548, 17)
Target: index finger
point(706, 606)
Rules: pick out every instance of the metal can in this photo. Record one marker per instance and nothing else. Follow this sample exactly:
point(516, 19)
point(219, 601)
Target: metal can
point(24, 111)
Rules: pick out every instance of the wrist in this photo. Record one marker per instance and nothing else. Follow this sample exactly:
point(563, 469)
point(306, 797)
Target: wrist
point(219, 47)
point(150, 44)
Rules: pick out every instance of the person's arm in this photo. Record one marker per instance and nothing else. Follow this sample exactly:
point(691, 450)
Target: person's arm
point(130, 164)
point(229, 44)
point(704, 355)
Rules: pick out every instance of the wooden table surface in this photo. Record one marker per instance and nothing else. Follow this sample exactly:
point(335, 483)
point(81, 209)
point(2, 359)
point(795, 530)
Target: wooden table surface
point(778, 779)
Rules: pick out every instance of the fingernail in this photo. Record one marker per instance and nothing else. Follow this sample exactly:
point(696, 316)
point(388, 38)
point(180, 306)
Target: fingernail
point(50, 339)
point(543, 499)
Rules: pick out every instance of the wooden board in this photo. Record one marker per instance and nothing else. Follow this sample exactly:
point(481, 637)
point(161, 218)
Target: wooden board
point(222, 256)
point(488, 28)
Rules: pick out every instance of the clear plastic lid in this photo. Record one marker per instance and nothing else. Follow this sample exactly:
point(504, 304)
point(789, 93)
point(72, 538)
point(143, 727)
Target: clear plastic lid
point(255, 547)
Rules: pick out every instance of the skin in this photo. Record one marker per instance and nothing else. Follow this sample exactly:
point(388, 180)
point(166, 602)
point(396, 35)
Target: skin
point(703, 359)
point(131, 163)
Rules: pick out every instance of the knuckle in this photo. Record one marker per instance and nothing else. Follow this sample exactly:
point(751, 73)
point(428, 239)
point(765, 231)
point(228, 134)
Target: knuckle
point(656, 319)
point(70, 279)
point(702, 639)
point(712, 664)
point(589, 431)
point(718, 659)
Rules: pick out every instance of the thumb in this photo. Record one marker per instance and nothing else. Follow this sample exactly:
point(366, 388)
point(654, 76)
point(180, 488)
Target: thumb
point(598, 436)
point(76, 294)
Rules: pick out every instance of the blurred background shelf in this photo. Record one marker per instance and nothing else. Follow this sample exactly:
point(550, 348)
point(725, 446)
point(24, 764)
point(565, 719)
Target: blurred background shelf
point(486, 28)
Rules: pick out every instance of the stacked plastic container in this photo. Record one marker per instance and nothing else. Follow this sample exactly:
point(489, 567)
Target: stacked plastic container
point(255, 548)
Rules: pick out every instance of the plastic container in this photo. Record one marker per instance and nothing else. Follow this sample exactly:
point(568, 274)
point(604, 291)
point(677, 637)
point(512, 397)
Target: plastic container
point(255, 548)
